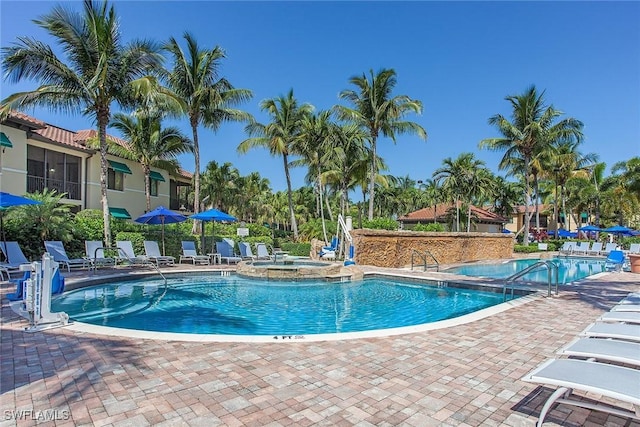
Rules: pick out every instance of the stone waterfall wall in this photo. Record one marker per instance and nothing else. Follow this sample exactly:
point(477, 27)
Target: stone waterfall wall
point(384, 248)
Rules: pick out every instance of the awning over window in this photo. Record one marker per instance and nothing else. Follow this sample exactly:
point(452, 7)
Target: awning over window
point(119, 213)
point(156, 176)
point(119, 167)
point(4, 141)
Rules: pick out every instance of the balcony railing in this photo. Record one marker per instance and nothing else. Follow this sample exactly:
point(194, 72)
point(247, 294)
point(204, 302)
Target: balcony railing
point(36, 184)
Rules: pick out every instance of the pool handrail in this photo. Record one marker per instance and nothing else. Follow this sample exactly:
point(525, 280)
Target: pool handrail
point(424, 259)
point(550, 265)
point(123, 255)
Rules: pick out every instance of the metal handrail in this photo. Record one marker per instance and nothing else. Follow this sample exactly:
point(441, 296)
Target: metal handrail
point(120, 251)
point(424, 259)
point(550, 266)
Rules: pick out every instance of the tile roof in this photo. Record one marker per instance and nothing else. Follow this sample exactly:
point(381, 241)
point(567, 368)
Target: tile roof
point(61, 136)
point(21, 118)
point(427, 214)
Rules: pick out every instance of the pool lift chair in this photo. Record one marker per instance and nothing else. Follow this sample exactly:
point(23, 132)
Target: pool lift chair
point(35, 305)
point(615, 261)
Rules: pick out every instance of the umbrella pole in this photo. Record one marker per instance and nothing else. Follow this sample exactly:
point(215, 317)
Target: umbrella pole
point(163, 254)
point(4, 238)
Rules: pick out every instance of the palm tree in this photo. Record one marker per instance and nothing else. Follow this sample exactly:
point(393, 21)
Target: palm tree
point(279, 136)
point(433, 194)
point(207, 97)
point(533, 126)
point(346, 158)
point(314, 138)
point(98, 71)
point(149, 144)
point(376, 111)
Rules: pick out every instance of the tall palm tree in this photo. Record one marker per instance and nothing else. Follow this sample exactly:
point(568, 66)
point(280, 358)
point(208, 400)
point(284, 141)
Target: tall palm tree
point(346, 159)
point(377, 111)
point(313, 140)
point(98, 71)
point(209, 98)
point(149, 144)
point(533, 126)
point(279, 136)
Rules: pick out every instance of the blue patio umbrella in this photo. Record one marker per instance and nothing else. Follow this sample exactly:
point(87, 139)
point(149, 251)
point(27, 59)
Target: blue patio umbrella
point(8, 200)
point(564, 233)
point(213, 215)
point(590, 228)
point(618, 229)
point(161, 215)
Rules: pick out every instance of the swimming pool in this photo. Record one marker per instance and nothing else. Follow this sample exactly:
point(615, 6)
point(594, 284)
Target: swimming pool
point(238, 306)
point(569, 269)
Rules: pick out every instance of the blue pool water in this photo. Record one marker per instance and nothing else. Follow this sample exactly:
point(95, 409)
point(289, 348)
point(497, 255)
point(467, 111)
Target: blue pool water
point(569, 269)
point(238, 306)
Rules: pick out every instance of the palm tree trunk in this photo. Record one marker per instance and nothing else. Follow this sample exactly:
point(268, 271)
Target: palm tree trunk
point(294, 224)
point(469, 218)
point(324, 227)
point(103, 119)
point(527, 200)
point(372, 178)
point(147, 186)
point(196, 173)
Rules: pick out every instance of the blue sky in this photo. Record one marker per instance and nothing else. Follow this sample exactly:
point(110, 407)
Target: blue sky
point(459, 58)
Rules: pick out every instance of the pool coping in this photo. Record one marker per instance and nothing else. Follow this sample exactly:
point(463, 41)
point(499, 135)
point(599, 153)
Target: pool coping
point(80, 327)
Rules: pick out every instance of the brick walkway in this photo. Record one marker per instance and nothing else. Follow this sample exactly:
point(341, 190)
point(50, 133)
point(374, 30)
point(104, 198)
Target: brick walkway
point(467, 375)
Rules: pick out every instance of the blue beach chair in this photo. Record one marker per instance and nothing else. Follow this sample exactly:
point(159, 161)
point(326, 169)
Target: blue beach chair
point(614, 261)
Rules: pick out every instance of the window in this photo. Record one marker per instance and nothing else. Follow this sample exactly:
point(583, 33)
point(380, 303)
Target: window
point(53, 170)
point(153, 187)
point(115, 180)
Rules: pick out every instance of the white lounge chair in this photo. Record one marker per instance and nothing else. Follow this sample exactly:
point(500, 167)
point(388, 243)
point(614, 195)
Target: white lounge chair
point(622, 331)
point(608, 248)
point(603, 350)
point(95, 254)
point(620, 316)
point(596, 249)
point(567, 248)
point(57, 251)
point(189, 253)
point(607, 380)
point(582, 248)
point(634, 248)
point(262, 251)
point(152, 251)
point(127, 254)
point(245, 251)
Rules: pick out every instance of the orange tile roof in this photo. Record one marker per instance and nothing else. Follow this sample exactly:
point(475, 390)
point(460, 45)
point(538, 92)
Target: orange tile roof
point(427, 214)
point(61, 136)
point(19, 117)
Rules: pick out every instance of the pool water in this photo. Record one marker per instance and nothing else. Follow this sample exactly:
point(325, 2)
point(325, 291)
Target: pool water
point(569, 269)
point(239, 306)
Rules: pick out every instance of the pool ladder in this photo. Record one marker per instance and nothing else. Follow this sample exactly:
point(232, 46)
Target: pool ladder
point(423, 257)
point(549, 265)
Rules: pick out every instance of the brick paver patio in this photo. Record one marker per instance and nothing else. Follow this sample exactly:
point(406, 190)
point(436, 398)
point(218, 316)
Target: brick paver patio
point(467, 375)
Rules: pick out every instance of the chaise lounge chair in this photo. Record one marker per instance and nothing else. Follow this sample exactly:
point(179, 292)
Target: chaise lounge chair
point(152, 251)
point(608, 248)
point(189, 253)
point(596, 249)
point(607, 380)
point(620, 317)
point(621, 331)
point(14, 255)
point(262, 251)
point(95, 254)
point(245, 251)
point(634, 248)
point(225, 249)
point(582, 248)
point(57, 251)
point(567, 248)
point(603, 350)
point(127, 254)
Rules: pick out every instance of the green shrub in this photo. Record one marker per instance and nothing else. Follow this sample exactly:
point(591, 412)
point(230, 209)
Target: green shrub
point(428, 227)
point(526, 249)
point(380, 224)
point(297, 249)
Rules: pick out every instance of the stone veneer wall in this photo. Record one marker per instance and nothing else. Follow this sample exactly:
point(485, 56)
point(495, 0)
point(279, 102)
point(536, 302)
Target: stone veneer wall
point(385, 248)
